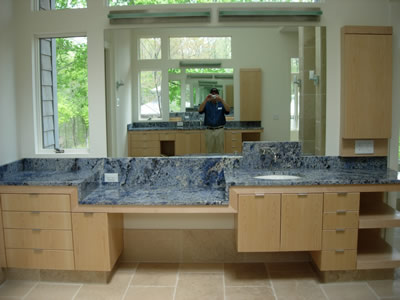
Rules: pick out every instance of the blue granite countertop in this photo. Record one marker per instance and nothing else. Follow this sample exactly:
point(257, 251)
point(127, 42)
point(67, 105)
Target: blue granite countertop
point(192, 125)
point(311, 177)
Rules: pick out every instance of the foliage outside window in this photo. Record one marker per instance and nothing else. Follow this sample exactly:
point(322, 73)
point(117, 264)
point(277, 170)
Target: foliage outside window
point(200, 48)
point(150, 94)
point(61, 4)
point(72, 92)
point(150, 2)
point(174, 95)
point(64, 93)
point(150, 48)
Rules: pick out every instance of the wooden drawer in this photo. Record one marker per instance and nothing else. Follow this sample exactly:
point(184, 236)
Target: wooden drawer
point(329, 260)
point(145, 144)
point(40, 259)
point(339, 239)
point(347, 219)
point(145, 136)
point(38, 239)
point(167, 136)
point(341, 201)
point(145, 152)
point(35, 202)
point(40, 220)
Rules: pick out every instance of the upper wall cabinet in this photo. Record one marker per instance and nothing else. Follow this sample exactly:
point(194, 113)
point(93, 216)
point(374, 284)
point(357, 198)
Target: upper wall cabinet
point(366, 90)
point(250, 94)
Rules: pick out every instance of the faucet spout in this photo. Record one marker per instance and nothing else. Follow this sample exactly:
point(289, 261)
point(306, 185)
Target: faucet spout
point(265, 151)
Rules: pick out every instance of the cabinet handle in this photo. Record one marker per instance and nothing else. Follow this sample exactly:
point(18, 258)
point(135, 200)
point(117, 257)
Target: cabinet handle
point(33, 195)
point(339, 250)
point(342, 194)
point(339, 230)
point(37, 250)
point(259, 195)
point(302, 195)
point(36, 229)
point(341, 212)
point(88, 214)
point(36, 212)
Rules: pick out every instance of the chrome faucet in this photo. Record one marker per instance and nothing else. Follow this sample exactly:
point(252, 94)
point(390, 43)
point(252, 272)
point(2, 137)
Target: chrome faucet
point(264, 151)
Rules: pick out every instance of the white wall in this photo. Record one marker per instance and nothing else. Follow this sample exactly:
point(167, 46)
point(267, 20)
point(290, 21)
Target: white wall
point(8, 111)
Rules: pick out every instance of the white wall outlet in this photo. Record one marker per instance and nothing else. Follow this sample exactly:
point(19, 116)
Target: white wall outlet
point(110, 177)
point(364, 147)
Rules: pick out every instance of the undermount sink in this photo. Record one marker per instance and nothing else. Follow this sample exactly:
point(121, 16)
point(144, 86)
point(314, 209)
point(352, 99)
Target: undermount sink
point(277, 177)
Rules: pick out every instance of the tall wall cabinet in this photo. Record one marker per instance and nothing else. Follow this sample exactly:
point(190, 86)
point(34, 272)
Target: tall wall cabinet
point(366, 90)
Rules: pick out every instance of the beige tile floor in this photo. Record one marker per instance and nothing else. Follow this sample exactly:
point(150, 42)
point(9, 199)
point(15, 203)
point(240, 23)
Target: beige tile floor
point(244, 281)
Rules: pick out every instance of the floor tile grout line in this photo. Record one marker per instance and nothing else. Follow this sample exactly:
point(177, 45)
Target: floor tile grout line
point(176, 282)
point(129, 282)
point(270, 281)
point(323, 291)
point(77, 292)
point(223, 281)
point(30, 290)
point(372, 290)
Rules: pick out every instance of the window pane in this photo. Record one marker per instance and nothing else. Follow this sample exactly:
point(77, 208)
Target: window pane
point(150, 94)
point(149, 2)
point(174, 95)
point(200, 48)
point(150, 48)
point(61, 4)
point(72, 92)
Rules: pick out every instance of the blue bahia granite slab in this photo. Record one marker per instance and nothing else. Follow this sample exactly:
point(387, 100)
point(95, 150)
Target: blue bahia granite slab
point(194, 180)
point(192, 125)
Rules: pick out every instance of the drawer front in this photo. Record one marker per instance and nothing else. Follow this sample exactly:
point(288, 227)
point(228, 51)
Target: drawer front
point(339, 239)
point(38, 239)
point(145, 136)
point(40, 220)
point(341, 201)
point(338, 260)
point(40, 259)
point(146, 144)
point(167, 136)
point(35, 202)
point(145, 152)
point(349, 219)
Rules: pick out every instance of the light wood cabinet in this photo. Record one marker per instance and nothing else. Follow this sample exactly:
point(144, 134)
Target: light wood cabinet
point(366, 88)
point(187, 142)
point(233, 141)
point(258, 223)
point(301, 223)
point(37, 230)
point(144, 144)
point(279, 222)
point(250, 94)
point(98, 240)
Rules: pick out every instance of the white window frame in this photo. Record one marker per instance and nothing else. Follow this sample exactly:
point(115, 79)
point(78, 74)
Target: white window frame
point(38, 130)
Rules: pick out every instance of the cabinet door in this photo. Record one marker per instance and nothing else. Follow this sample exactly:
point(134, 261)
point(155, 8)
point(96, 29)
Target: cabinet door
point(258, 223)
point(250, 94)
point(366, 85)
point(187, 143)
point(97, 240)
point(301, 226)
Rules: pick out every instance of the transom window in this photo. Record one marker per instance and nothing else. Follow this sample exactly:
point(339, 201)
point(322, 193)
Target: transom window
point(200, 48)
point(61, 4)
point(155, 2)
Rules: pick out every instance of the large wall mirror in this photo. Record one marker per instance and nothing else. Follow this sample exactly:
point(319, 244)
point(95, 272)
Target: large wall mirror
point(151, 76)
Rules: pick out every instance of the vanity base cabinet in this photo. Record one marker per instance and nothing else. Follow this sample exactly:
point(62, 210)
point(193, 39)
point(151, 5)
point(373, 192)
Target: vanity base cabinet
point(258, 223)
point(98, 240)
point(301, 223)
point(187, 143)
point(278, 222)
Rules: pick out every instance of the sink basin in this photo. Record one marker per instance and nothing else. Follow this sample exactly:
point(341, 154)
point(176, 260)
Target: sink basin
point(277, 177)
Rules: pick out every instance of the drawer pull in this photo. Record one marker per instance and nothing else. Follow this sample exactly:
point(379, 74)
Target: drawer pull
point(341, 230)
point(37, 250)
point(36, 229)
point(35, 212)
point(339, 250)
point(341, 212)
point(88, 214)
point(33, 195)
point(342, 194)
point(259, 195)
point(302, 195)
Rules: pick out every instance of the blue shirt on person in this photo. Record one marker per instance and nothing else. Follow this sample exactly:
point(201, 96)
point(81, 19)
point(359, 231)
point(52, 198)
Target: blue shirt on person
point(214, 114)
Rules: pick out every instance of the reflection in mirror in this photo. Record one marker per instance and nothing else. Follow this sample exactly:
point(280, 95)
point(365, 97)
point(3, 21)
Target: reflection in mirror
point(157, 87)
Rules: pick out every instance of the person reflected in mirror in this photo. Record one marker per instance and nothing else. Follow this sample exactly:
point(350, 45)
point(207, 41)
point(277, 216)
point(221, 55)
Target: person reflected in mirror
point(214, 109)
